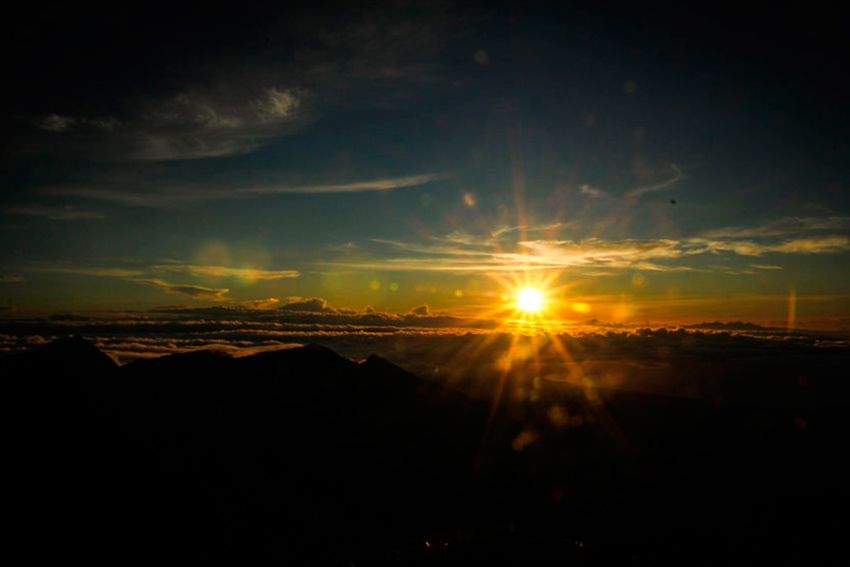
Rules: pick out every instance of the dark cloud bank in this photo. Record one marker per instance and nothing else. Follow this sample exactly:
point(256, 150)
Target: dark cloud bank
point(468, 354)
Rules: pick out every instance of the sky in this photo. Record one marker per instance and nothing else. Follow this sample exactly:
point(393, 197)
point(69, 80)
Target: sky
point(634, 163)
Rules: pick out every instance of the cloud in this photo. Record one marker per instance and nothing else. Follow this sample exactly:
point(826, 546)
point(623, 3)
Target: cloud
point(649, 266)
point(11, 279)
point(781, 227)
point(106, 123)
point(57, 123)
point(592, 192)
point(672, 361)
point(278, 104)
point(296, 315)
point(782, 236)
point(633, 194)
point(191, 145)
point(167, 196)
point(459, 254)
point(192, 109)
point(422, 310)
point(250, 274)
point(246, 274)
point(193, 291)
point(643, 190)
point(203, 122)
point(503, 231)
point(85, 271)
point(200, 122)
point(52, 212)
point(814, 245)
point(498, 252)
point(312, 305)
point(727, 326)
point(385, 184)
point(262, 303)
point(369, 61)
point(829, 244)
point(597, 251)
point(247, 95)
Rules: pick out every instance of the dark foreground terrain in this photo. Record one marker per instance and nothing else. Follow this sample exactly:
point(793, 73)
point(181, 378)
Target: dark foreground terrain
point(305, 457)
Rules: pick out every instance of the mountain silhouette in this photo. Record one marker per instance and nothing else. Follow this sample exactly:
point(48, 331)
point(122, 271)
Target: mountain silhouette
point(304, 456)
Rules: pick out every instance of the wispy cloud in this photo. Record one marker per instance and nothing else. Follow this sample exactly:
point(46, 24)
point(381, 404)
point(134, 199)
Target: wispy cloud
point(504, 231)
point(11, 279)
point(199, 122)
point(87, 271)
point(170, 195)
point(644, 189)
point(278, 104)
point(462, 252)
point(385, 184)
point(207, 123)
point(632, 195)
point(593, 192)
point(58, 123)
point(179, 146)
point(457, 255)
point(193, 291)
point(790, 235)
point(596, 250)
point(55, 123)
point(782, 227)
point(166, 196)
point(813, 245)
point(249, 274)
point(827, 244)
point(66, 213)
point(246, 274)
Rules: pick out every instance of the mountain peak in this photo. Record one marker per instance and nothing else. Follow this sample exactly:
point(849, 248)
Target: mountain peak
point(377, 361)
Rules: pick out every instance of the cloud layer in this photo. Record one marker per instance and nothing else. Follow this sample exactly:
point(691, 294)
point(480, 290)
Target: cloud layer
point(499, 251)
point(466, 354)
point(66, 213)
point(170, 195)
point(193, 291)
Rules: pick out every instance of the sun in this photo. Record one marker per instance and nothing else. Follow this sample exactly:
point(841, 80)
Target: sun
point(530, 299)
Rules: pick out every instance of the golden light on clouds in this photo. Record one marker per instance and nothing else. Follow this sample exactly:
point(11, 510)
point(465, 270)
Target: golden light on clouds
point(581, 307)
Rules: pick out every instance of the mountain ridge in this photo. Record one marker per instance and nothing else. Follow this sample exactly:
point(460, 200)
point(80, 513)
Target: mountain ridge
point(303, 455)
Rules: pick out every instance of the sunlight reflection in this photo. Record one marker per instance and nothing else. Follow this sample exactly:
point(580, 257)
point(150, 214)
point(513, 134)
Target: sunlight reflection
point(792, 308)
